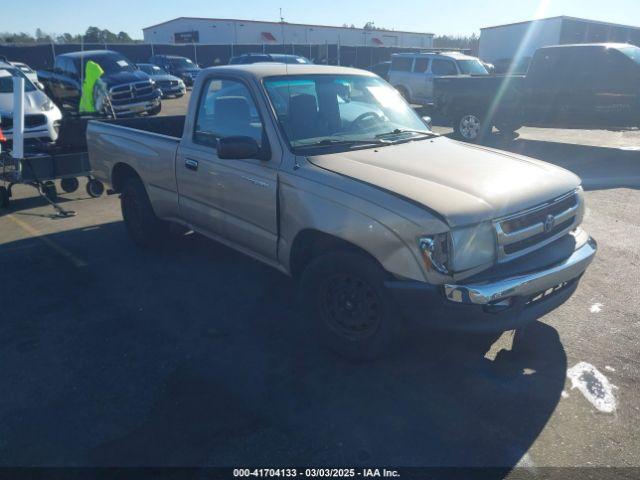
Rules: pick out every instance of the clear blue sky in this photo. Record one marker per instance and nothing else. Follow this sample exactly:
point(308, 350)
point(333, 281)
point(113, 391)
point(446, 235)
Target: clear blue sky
point(440, 17)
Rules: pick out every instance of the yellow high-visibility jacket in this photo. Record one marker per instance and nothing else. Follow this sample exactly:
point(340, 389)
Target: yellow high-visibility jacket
point(93, 72)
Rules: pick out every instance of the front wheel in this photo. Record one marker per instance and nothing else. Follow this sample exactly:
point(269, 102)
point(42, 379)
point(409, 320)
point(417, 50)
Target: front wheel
point(470, 127)
point(348, 305)
point(155, 110)
point(508, 129)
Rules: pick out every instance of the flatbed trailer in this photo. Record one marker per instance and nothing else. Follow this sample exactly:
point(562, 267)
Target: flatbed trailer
point(42, 165)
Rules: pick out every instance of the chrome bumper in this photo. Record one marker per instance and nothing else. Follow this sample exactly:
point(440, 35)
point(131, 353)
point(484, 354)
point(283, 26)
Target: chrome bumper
point(529, 284)
point(139, 107)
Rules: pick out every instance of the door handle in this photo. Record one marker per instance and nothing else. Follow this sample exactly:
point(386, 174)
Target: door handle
point(191, 164)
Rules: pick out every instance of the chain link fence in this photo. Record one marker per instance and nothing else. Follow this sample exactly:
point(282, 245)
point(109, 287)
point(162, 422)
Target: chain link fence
point(41, 56)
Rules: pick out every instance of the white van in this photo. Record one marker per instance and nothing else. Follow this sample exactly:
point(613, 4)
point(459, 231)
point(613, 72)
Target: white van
point(413, 73)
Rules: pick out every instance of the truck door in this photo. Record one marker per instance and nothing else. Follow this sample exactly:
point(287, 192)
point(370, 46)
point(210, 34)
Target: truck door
point(614, 92)
point(69, 85)
point(545, 89)
point(232, 200)
point(422, 79)
point(440, 68)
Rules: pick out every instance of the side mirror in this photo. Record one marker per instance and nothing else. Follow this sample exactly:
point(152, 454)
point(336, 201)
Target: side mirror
point(427, 121)
point(238, 148)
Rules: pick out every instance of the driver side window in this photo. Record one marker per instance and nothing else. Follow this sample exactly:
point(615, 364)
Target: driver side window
point(226, 109)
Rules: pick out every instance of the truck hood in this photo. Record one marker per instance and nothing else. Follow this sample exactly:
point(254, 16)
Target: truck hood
point(119, 78)
point(463, 183)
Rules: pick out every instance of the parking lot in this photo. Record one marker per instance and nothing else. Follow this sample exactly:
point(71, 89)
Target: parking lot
point(197, 355)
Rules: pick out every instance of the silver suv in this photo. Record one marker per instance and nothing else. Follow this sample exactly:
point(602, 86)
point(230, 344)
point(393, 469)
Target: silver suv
point(413, 73)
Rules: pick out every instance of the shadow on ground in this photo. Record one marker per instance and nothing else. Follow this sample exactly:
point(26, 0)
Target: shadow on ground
point(196, 355)
point(599, 167)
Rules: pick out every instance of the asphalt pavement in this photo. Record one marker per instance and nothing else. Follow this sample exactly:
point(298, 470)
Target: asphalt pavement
point(197, 355)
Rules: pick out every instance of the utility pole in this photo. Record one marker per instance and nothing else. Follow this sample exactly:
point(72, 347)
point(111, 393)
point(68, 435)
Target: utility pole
point(281, 26)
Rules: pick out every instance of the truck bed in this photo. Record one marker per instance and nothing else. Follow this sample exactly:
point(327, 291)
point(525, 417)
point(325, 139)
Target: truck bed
point(146, 144)
point(450, 93)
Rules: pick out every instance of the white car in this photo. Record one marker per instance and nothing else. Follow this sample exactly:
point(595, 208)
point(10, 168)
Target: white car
point(42, 116)
point(29, 72)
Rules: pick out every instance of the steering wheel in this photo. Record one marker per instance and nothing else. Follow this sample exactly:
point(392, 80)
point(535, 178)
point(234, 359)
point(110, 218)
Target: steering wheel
point(363, 117)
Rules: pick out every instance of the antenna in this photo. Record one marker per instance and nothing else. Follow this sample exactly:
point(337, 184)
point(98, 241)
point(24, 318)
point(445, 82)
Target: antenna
point(281, 17)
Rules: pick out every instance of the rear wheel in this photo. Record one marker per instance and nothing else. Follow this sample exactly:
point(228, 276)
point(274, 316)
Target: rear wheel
point(144, 227)
point(69, 185)
point(348, 305)
point(508, 129)
point(95, 188)
point(470, 127)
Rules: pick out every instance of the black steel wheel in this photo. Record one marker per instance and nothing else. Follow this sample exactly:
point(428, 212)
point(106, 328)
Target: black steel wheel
point(95, 188)
point(349, 307)
point(69, 185)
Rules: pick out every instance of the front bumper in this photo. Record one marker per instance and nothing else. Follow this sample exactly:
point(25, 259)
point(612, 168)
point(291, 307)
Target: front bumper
point(496, 304)
point(171, 91)
point(137, 108)
point(46, 132)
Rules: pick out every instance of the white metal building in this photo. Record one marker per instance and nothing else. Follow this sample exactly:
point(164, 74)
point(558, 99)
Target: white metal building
point(231, 31)
point(518, 41)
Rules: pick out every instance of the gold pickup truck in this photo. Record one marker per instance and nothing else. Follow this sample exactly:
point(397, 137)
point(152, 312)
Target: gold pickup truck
point(326, 174)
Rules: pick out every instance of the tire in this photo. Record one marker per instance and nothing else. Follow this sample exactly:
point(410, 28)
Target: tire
point(4, 197)
point(508, 130)
point(155, 111)
point(349, 308)
point(405, 93)
point(49, 190)
point(95, 188)
point(470, 127)
point(144, 227)
point(69, 185)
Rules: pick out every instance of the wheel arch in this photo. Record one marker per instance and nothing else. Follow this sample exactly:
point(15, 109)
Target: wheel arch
point(311, 243)
point(120, 173)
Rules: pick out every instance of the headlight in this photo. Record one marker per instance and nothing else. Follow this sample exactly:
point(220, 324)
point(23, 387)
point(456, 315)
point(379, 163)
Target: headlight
point(459, 250)
point(473, 246)
point(47, 105)
point(435, 252)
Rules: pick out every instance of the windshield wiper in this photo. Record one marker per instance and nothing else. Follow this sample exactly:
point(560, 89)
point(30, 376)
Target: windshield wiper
point(328, 142)
point(399, 131)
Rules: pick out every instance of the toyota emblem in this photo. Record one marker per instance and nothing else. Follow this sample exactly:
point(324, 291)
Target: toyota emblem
point(549, 222)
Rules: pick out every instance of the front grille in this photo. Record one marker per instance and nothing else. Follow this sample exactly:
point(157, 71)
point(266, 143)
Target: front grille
point(30, 121)
point(131, 91)
point(526, 231)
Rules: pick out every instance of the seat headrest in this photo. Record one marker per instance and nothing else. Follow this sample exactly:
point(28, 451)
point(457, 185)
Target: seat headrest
point(302, 107)
point(233, 109)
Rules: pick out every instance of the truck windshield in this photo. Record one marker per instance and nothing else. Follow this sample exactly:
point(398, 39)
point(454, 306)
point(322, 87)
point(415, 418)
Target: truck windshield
point(6, 80)
point(182, 63)
point(112, 63)
point(471, 67)
point(153, 70)
point(341, 111)
point(632, 52)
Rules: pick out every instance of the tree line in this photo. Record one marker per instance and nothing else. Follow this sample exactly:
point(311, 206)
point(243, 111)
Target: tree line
point(92, 35)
